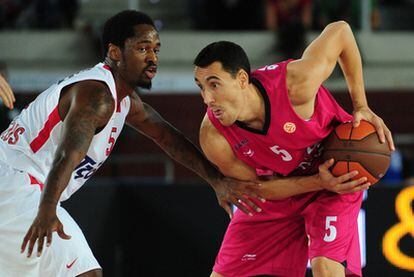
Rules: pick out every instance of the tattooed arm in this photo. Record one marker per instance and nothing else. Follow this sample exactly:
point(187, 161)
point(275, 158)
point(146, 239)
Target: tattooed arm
point(84, 108)
point(146, 120)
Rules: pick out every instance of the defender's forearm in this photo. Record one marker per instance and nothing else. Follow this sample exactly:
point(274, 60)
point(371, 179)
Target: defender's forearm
point(58, 178)
point(181, 149)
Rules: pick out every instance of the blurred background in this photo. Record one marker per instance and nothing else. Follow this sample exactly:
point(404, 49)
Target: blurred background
point(145, 215)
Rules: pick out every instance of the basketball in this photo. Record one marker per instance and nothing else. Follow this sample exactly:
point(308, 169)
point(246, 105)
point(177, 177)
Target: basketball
point(357, 149)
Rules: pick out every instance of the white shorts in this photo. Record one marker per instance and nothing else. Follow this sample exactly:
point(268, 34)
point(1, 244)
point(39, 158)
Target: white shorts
point(19, 200)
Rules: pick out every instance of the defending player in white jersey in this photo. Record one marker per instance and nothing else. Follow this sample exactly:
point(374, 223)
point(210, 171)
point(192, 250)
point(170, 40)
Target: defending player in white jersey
point(64, 136)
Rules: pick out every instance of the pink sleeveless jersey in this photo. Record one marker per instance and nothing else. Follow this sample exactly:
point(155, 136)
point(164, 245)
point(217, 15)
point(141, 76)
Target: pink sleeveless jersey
point(288, 144)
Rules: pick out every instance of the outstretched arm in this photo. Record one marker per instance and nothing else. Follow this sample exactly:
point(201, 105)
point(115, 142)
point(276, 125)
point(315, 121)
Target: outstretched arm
point(335, 44)
point(146, 120)
point(89, 108)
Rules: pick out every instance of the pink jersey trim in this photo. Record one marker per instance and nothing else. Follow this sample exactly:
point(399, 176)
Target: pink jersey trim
point(44, 134)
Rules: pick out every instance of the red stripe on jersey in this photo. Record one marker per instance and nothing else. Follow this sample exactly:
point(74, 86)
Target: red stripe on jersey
point(107, 67)
point(44, 134)
point(118, 107)
point(34, 181)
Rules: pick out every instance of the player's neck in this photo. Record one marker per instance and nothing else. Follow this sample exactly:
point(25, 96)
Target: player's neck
point(254, 112)
point(122, 87)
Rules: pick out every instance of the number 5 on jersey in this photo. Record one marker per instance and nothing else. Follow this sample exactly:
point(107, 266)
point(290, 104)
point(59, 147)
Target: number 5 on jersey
point(284, 154)
point(111, 142)
point(330, 234)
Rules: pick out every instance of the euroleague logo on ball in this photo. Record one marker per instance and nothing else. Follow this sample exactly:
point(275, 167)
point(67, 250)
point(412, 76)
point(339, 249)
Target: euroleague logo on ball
point(289, 127)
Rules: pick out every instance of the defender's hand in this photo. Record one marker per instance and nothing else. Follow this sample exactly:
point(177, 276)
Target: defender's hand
point(231, 191)
point(383, 132)
point(45, 223)
point(342, 184)
point(6, 93)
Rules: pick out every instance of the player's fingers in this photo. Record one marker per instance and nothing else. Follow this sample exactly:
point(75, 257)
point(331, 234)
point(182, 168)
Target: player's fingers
point(362, 187)
point(357, 120)
point(380, 130)
point(326, 165)
point(4, 97)
point(32, 242)
point(239, 204)
point(388, 135)
point(62, 233)
point(40, 242)
point(225, 205)
point(251, 204)
point(11, 93)
point(7, 94)
point(26, 240)
point(254, 192)
point(347, 176)
point(353, 184)
point(255, 195)
point(49, 238)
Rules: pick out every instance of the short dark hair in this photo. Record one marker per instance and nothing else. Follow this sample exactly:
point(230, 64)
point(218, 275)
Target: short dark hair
point(120, 27)
point(231, 56)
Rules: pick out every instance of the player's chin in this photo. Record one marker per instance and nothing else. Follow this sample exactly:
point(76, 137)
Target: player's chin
point(225, 121)
point(145, 84)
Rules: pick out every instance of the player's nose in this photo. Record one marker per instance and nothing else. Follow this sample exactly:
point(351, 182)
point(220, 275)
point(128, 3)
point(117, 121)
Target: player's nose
point(152, 56)
point(208, 98)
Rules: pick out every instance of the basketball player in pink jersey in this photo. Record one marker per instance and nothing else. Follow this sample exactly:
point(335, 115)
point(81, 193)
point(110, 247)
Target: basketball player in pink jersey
point(271, 123)
point(64, 136)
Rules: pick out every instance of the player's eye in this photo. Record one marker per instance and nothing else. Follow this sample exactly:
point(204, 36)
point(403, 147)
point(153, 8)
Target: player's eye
point(214, 85)
point(142, 49)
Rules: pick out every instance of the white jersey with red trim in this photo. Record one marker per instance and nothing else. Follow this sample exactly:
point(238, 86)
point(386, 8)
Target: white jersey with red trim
point(30, 142)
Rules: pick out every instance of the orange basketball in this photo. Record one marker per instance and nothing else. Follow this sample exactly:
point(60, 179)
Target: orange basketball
point(357, 149)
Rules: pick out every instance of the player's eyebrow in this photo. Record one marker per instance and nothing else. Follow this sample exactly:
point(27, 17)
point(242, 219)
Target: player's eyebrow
point(212, 77)
point(147, 41)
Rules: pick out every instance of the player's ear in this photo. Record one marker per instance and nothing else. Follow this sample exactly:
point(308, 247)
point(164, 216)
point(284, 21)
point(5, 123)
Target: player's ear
point(114, 52)
point(243, 78)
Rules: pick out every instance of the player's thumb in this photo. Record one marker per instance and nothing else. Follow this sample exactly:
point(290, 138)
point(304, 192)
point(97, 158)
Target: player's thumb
point(357, 119)
point(62, 233)
point(326, 165)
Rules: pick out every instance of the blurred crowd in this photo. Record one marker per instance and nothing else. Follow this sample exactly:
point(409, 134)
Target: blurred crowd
point(37, 14)
point(290, 20)
point(227, 14)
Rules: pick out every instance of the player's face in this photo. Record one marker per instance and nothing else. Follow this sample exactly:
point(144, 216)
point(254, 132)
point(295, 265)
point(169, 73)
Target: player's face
point(220, 91)
point(140, 56)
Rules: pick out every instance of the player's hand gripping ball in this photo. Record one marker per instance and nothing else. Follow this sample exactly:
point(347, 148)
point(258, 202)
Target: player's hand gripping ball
point(357, 149)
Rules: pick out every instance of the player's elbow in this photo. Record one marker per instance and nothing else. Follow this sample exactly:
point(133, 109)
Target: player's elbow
point(339, 26)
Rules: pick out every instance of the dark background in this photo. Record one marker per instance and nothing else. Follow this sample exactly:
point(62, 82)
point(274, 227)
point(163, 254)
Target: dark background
point(158, 230)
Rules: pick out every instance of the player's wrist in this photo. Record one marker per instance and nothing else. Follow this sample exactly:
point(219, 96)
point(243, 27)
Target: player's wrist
point(360, 105)
point(214, 176)
point(315, 182)
point(47, 204)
